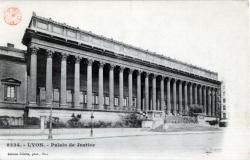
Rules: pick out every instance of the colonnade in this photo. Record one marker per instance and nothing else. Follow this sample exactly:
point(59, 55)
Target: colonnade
point(176, 95)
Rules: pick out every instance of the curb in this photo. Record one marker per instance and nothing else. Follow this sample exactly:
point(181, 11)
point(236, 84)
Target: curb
point(114, 136)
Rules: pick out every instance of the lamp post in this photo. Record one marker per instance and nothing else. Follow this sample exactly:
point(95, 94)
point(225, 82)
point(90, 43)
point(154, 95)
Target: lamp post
point(50, 124)
point(92, 117)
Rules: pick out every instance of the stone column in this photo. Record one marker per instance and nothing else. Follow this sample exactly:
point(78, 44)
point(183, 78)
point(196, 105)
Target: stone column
point(195, 94)
point(63, 89)
point(200, 96)
point(174, 97)
point(162, 94)
point(205, 100)
point(111, 86)
point(139, 90)
point(33, 76)
point(186, 98)
point(209, 101)
point(180, 98)
point(100, 86)
point(154, 93)
point(213, 102)
point(130, 88)
point(121, 97)
point(77, 82)
point(191, 94)
point(168, 96)
point(89, 84)
point(146, 93)
point(49, 89)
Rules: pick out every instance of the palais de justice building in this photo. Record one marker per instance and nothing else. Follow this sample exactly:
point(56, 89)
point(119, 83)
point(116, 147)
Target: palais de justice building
point(77, 71)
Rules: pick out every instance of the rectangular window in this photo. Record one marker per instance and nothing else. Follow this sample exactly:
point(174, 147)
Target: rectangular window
point(93, 99)
point(116, 101)
point(224, 107)
point(85, 98)
point(134, 102)
point(106, 101)
point(10, 92)
point(81, 97)
point(125, 100)
point(96, 99)
point(224, 115)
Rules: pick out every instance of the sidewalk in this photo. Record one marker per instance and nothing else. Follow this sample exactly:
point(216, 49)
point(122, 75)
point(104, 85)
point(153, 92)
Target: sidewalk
point(97, 134)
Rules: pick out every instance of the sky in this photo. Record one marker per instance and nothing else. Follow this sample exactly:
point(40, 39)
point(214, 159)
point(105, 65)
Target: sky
point(209, 34)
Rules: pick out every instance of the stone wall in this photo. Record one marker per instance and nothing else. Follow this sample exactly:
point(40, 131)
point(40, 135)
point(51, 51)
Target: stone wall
point(65, 115)
point(15, 70)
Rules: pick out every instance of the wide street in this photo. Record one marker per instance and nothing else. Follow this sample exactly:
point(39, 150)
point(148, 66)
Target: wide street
point(179, 146)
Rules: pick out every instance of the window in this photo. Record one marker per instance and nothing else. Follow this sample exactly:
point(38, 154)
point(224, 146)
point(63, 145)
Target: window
point(106, 101)
point(85, 98)
point(10, 92)
point(69, 96)
point(224, 107)
point(10, 89)
point(116, 101)
point(134, 102)
point(224, 115)
point(125, 100)
point(224, 100)
point(95, 99)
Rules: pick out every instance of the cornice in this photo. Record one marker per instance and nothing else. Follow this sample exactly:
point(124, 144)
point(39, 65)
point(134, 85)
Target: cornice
point(78, 31)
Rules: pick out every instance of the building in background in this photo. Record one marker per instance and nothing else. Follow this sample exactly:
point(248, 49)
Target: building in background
point(224, 114)
point(76, 71)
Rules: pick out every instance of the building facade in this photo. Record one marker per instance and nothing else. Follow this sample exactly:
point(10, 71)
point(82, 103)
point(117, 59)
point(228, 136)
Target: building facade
point(224, 114)
point(13, 81)
point(76, 71)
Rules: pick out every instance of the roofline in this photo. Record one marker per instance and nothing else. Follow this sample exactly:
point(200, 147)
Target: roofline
point(12, 49)
point(119, 43)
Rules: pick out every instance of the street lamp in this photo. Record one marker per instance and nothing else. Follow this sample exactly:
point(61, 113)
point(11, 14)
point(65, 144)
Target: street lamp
point(50, 124)
point(92, 117)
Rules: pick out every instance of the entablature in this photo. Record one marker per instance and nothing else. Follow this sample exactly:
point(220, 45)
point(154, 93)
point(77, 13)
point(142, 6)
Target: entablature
point(77, 36)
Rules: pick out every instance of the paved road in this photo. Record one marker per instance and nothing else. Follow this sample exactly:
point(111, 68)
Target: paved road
point(150, 146)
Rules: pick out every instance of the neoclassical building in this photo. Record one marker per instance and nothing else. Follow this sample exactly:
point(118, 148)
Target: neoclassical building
point(76, 71)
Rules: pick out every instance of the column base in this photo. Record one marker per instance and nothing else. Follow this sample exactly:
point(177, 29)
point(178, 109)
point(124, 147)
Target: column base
point(101, 107)
point(63, 105)
point(49, 104)
point(169, 113)
point(78, 106)
point(33, 104)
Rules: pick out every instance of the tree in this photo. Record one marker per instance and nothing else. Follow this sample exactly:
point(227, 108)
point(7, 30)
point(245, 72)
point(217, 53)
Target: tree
point(195, 109)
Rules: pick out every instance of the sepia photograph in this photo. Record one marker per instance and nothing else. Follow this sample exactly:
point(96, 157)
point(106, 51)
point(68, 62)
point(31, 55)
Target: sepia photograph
point(124, 80)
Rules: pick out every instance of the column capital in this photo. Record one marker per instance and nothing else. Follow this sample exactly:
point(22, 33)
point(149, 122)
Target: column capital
point(131, 70)
point(101, 64)
point(111, 66)
point(180, 81)
point(49, 53)
point(163, 77)
point(154, 76)
point(121, 68)
point(186, 83)
point(146, 74)
point(64, 56)
point(90, 61)
point(139, 71)
point(77, 59)
point(34, 49)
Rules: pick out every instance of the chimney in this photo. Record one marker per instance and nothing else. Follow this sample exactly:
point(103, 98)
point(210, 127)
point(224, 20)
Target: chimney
point(10, 45)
